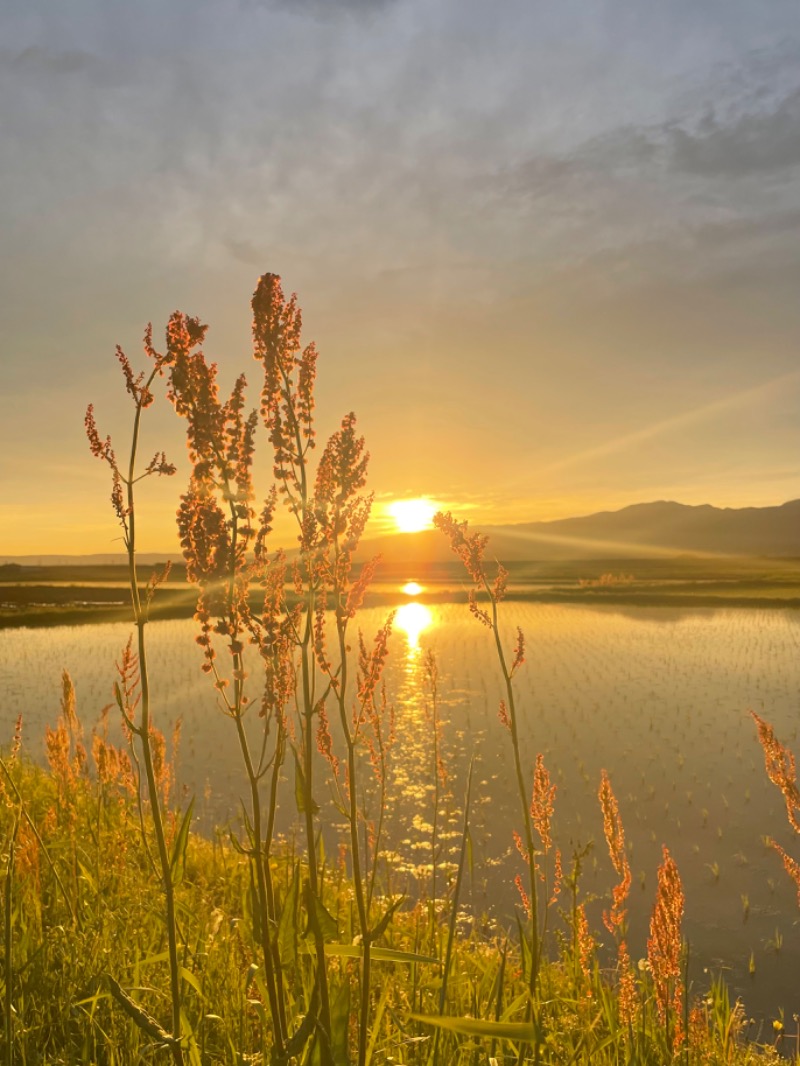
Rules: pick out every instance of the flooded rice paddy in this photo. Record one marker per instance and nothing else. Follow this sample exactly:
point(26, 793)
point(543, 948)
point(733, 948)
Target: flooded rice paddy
point(658, 697)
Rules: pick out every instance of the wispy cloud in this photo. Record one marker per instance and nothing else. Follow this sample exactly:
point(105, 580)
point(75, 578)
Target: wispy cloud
point(758, 142)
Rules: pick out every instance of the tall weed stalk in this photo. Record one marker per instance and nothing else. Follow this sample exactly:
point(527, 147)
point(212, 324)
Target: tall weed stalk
point(470, 549)
point(124, 480)
point(226, 546)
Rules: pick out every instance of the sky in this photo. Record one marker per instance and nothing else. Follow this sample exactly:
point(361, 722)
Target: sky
point(550, 253)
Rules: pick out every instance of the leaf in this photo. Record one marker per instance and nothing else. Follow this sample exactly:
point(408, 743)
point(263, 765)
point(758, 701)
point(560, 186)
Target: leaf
point(300, 788)
point(149, 960)
point(254, 907)
point(191, 979)
point(287, 925)
point(146, 1022)
point(520, 1032)
point(383, 924)
point(299, 1038)
point(340, 1020)
point(239, 847)
point(321, 922)
point(87, 877)
point(356, 951)
point(178, 860)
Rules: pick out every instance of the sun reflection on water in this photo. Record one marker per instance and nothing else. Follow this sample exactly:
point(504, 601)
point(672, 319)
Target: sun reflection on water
point(413, 619)
point(412, 588)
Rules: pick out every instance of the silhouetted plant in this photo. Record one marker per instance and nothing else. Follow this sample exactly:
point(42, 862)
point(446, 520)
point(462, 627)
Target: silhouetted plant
point(124, 480)
point(226, 546)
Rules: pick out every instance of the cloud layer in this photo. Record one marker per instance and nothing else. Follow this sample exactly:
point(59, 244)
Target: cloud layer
point(580, 198)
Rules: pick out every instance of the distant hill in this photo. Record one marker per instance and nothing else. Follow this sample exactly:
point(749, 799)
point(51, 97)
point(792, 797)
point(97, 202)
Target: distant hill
point(661, 529)
point(101, 559)
point(644, 530)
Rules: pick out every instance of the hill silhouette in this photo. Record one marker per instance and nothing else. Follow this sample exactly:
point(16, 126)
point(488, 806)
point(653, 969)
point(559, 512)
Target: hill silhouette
point(644, 530)
point(661, 529)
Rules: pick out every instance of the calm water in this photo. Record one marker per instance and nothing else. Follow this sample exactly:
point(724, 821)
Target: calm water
point(658, 697)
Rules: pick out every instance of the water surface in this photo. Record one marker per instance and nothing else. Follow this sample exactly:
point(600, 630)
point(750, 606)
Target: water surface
point(658, 697)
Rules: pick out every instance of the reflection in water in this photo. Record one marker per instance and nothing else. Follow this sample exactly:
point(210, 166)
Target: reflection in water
point(413, 619)
point(657, 697)
point(412, 588)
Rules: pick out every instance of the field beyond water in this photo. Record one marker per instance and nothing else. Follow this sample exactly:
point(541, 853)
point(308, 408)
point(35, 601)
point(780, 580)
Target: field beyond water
point(75, 594)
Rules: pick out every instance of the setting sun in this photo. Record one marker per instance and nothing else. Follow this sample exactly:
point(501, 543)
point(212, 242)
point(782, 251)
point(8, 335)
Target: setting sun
point(412, 516)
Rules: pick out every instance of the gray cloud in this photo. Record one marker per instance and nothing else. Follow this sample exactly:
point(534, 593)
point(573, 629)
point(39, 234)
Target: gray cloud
point(328, 8)
point(759, 142)
point(44, 61)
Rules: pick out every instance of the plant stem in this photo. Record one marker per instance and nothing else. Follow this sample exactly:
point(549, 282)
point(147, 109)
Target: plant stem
point(9, 944)
point(523, 792)
point(143, 731)
point(451, 932)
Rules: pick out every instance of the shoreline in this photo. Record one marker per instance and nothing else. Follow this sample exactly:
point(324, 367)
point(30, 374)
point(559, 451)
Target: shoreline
point(181, 604)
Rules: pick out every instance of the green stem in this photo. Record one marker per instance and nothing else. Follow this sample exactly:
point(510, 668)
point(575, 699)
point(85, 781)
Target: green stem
point(266, 899)
point(9, 945)
point(143, 731)
point(451, 932)
point(522, 791)
point(355, 847)
point(313, 869)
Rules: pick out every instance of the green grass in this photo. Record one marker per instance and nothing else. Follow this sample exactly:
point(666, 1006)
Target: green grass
point(85, 953)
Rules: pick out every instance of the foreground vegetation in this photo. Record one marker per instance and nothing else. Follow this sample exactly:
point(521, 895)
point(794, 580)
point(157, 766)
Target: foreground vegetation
point(128, 938)
point(85, 954)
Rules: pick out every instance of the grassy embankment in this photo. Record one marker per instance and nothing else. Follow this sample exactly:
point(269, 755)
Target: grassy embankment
point(85, 977)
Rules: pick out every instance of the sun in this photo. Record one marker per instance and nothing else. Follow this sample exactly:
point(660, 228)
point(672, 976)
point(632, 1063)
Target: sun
point(412, 516)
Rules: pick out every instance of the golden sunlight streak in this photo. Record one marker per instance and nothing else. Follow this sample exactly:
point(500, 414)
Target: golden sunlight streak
point(413, 619)
point(412, 588)
point(412, 516)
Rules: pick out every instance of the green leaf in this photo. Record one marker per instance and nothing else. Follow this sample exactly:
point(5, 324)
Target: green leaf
point(191, 979)
point(254, 907)
point(238, 847)
point(393, 955)
point(340, 1019)
point(383, 924)
point(355, 951)
point(516, 1031)
point(178, 860)
point(87, 877)
point(300, 788)
point(149, 960)
point(287, 925)
point(321, 922)
point(299, 1038)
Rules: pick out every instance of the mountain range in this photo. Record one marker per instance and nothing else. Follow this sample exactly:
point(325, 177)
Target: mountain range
point(644, 530)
